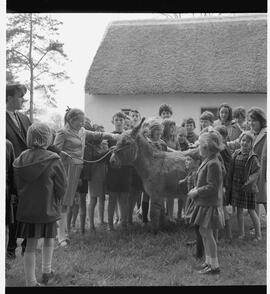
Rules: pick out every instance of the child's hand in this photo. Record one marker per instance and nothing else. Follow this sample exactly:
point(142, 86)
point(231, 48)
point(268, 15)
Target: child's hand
point(193, 193)
point(181, 181)
point(245, 186)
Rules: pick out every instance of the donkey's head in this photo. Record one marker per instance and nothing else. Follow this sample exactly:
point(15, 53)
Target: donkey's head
point(126, 150)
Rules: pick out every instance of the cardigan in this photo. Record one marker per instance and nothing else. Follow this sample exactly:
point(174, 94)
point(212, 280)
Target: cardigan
point(209, 183)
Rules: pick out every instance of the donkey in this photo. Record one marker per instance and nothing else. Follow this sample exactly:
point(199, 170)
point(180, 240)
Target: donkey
point(160, 171)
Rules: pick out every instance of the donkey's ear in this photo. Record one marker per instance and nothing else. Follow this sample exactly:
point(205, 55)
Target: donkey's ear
point(135, 131)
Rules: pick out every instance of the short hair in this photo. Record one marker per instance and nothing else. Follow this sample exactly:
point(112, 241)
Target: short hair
point(222, 130)
point(239, 111)
point(12, 89)
point(135, 110)
point(213, 141)
point(39, 135)
point(119, 114)
point(207, 115)
point(71, 114)
point(228, 107)
point(189, 120)
point(165, 107)
point(167, 123)
point(258, 114)
point(248, 134)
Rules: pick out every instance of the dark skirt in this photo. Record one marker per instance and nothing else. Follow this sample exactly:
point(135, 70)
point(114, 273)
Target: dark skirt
point(83, 187)
point(25, 230)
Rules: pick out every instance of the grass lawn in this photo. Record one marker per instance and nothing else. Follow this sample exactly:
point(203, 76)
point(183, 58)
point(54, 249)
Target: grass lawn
point(138, 258)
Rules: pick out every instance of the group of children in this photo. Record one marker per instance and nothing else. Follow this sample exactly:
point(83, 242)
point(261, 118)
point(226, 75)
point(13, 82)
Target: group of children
point(51, 185)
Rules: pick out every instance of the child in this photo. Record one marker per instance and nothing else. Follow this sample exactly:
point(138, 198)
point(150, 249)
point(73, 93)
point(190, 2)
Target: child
point(135, 117)
point(190, 126)
point(187, 184)
point(97, 185)
point(206, 119)
point(207, 194)
point(79, 205)
point(71, 139)
point(226, 159)
point(73, 213)
point(41, 184)
point(182, 139)
point(118, 180)
point(165, 111)
point(239, 116)
point(243, 176)
point(225, 118)
point(169, 136)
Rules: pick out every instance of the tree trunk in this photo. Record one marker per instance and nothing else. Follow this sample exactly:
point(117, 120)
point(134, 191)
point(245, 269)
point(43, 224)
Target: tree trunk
point(31, 69)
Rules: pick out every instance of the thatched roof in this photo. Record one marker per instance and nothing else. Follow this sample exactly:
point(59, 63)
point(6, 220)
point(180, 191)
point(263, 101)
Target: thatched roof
point(210, 54)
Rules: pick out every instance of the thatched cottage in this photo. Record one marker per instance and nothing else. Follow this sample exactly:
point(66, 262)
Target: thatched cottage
point(191, 64)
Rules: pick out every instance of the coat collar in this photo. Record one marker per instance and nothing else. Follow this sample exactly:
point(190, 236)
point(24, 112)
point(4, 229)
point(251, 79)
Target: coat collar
point(206, 160)
point(13, 126)
point(261, 134)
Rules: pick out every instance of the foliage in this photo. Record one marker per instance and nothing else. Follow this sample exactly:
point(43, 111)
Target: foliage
point(35, 55)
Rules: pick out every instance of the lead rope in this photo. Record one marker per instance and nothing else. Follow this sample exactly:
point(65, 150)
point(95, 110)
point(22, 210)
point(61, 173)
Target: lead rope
point(90, 161)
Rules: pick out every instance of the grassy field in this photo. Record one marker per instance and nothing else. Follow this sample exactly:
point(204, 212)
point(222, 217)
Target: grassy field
point(138, 258)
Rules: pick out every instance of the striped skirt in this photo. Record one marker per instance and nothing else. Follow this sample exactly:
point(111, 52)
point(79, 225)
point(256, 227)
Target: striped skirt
point(73, 172)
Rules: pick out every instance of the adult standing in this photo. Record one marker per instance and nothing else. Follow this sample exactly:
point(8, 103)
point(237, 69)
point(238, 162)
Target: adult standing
point(257, 122)
point(17, 125)
point(225, 118)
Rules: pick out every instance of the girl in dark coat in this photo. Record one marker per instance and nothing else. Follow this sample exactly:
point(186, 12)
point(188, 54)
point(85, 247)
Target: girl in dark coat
point(41, 184)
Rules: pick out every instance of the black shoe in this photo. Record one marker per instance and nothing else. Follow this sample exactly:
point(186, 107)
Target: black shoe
point(191, 242)
point(10, 255)
point(46, 277)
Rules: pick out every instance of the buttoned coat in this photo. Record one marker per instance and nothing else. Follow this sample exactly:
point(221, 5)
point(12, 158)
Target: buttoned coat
point(209, 183)
point(14, 135)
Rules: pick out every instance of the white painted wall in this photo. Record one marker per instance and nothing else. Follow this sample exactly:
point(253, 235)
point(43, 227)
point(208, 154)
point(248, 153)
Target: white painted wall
point(100, 108)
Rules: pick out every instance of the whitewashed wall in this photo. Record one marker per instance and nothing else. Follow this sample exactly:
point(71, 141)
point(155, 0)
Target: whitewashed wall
point(100, 108)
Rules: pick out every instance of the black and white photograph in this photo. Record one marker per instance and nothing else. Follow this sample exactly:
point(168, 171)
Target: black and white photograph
point(136, 149)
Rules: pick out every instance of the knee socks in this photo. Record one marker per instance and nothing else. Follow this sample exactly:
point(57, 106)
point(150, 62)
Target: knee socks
point(62, 227)
point(47, 253)
point(29, 263)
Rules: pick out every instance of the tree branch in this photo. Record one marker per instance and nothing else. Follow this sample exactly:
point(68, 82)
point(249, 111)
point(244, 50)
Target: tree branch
point(18, 52)
point(40, 60)
point(40, 74)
